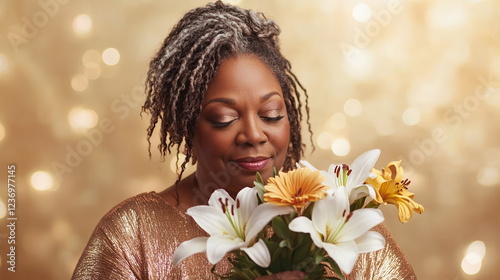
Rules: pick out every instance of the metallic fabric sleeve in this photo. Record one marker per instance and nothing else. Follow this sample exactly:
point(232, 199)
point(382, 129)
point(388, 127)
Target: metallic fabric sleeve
point(137, 238)
point(388, 263)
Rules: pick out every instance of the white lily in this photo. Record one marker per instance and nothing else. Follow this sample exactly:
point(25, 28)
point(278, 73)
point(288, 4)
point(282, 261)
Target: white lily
point(231, 224)
point(343, 234)
point(351, 177)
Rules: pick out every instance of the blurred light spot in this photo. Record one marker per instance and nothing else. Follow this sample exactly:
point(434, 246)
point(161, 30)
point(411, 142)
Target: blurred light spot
point(82, 24)
point(173, 165)
point(80, 118)
point(3, 63)
point(361, 12)
point(79, 82)
point(91, 57)
point(111, 56)
point(3, 210)
point(488, 176)
point(42, 181)
point(341, 147)
point(411, 116)
point(385, 126)
point(477, 247)
point(336, 121)
point(92, 71)
point(325, 140)
point(353, 107)
point(361, 64)
point(2, 132)
point(233, 2)
point(447, 16)
point(472, 262)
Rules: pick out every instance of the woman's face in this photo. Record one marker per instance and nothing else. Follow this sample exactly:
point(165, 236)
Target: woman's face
point(243, 126)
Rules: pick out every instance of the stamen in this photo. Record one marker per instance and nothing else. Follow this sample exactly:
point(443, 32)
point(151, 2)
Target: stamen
point(349, 172)
point(227, 202)
point(337, 170)
point(237, 204)
point(348, 217)
point(232, 209)
point(343, 213)
point(222, 205)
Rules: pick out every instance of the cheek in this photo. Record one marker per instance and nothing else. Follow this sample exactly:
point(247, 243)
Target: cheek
point(281, 138)
point(209, 144)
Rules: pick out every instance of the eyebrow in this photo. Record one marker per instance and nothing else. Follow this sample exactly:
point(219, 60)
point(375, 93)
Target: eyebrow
point(221, 100)
point(268, 96)
point(230, 101)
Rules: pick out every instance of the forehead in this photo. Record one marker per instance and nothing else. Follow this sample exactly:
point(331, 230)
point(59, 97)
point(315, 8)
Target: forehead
point(241, 76)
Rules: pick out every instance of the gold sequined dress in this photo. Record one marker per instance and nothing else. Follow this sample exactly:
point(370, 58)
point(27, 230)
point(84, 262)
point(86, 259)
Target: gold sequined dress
point(136, 239)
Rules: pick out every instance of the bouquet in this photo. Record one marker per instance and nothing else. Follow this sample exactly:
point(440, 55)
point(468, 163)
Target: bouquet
point(306, 219)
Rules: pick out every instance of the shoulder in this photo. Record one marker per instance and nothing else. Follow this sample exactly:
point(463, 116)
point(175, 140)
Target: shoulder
point(130, 215)
point(141, 202)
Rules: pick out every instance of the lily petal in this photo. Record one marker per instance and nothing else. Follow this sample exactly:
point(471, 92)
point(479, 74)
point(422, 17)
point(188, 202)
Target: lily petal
point(211, 219)
point(344, 254)
point(218, 246)
point(362, 191)
point(259, 253)
point(362, 166)
point(334, 206)
point(361, 221)
point(262, 215)
point(218, 194)
point(247, 198)
point(303, 224)
point(308, 165)
point(188, 248)
point(370, 241)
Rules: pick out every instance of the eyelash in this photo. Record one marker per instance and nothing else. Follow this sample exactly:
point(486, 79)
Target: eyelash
point(272, 119)
point(224, 124)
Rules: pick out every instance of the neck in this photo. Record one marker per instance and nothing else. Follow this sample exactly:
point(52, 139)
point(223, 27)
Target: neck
point(200, 191)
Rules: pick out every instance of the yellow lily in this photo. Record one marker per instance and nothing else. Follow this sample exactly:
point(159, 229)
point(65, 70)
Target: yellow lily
point(391, 188)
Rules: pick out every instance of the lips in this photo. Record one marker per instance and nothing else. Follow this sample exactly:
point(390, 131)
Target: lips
point(252, 163)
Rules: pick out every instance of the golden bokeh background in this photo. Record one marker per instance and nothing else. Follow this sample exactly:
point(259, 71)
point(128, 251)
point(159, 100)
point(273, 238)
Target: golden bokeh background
point(418, 79)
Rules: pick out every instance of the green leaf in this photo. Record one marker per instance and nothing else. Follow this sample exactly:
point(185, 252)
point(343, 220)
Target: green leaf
point(335, 268)
point(372, 204)
point(358, 203)
point(280, 228)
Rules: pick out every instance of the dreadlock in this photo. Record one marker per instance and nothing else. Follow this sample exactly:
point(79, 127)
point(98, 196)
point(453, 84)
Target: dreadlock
point(188, 59)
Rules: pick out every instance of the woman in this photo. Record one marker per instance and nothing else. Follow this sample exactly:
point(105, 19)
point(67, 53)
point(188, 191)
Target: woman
point(227, 98)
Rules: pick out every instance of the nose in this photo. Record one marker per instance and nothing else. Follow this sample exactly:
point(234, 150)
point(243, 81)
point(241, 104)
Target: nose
point(251, 132)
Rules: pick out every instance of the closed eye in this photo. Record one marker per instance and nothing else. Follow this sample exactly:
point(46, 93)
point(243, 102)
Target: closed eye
point(222, 124)
point(272, 119)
